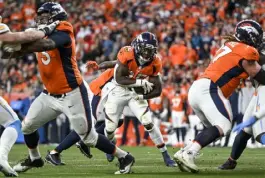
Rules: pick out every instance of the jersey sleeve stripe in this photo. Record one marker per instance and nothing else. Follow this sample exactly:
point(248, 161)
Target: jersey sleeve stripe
point(229, 75)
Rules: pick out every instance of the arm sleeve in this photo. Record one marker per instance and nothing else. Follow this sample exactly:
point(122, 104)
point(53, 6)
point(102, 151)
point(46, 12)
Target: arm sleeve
point(61, 39)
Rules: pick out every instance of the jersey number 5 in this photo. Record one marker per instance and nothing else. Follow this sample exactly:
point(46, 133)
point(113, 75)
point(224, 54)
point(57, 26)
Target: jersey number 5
point(221, 52)
point(46, 59)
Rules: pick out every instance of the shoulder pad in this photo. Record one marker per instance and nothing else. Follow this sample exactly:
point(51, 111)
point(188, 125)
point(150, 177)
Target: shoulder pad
point(65, 26)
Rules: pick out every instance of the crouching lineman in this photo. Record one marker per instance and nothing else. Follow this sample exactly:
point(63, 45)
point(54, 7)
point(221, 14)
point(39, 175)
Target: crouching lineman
point(255, 114)
point(8, 117)
point(135, 63)
point(237, 59)
point(65, 91)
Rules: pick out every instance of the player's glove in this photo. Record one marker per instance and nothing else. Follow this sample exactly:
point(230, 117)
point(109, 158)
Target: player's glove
point(10, 48)
point(92, 64)
point(244, 124)
point(48, 29)
point(135, 96)
point(147, 86)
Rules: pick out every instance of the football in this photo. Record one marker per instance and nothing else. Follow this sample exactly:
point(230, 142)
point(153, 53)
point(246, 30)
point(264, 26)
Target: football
point(140, 90)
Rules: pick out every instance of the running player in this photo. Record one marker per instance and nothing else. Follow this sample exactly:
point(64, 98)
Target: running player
point(136, 63)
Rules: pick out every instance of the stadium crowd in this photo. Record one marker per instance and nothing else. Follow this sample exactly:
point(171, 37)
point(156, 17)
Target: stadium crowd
point(189, 34)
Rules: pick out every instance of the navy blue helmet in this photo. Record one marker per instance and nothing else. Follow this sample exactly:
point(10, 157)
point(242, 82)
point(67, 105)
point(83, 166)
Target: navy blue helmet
point(249, 32)
point(145, 47)
point(50, 12)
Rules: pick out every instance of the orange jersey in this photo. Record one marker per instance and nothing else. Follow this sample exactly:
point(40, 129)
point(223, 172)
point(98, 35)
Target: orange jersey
point(58, 67)
point(156, 104)
point(97, 84)
point(177, 103)
point(225, 69)
point(126, 57)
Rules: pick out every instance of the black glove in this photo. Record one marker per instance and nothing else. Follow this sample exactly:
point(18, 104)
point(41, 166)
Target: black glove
point(48, 29)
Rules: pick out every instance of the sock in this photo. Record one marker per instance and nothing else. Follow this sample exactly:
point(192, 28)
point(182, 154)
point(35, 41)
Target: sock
point(31, 141)
point(69, 141)
point(157, 138)
point(262, 139)
point(119, 153)
point(207, 136)
point(105, 145)
point(239, 144)
point(8, 139)
point(195, 147)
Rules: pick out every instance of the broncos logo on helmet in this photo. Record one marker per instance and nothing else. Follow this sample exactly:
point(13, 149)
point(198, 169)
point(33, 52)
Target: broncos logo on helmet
point(145, 47)
point(50, 12)
point(249, 32)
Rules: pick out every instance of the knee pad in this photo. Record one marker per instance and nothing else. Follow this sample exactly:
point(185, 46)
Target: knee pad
point(225, 127)
point(92, 138)
point(146, 118)
point(26, 127)
point(109, 134)
point(16, 125)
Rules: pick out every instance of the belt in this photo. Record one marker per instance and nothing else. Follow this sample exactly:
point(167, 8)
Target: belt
point(54, 95)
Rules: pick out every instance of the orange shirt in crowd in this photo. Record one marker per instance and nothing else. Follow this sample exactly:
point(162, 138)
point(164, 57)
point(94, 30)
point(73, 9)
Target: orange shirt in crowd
point(177, 54)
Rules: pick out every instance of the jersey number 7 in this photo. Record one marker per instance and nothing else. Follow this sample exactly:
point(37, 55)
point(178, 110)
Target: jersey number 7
point(221, 52)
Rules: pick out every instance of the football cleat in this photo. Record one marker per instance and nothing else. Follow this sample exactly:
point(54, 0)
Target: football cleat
point(6, 169)
point(85, 150)
point(228, 165)
point(187, 159)
point(54, 159)
point(182, 168)
point(125, 164)
point(28, 164)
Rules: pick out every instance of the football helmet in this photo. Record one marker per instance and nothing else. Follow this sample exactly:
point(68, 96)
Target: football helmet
point(249, 32)
point(49, 12)
point(145, 47)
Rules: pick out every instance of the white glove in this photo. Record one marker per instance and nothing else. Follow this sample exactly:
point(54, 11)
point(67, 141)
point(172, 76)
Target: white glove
point(147, 86)
point(48, 29)
point(12, 47)
point(136, 96)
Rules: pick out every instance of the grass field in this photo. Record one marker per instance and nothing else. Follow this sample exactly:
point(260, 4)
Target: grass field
point(148, 164)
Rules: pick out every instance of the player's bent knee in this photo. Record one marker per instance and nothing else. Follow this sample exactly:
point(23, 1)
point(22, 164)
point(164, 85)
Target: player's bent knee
point(92, 138)
point(224, 129)
point(146, 118)
point(109, 134)
point(16, 125)
point(27, 128)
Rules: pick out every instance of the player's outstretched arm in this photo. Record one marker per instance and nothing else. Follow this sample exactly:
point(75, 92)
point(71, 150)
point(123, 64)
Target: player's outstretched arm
point(27, 36)
point(56, 40)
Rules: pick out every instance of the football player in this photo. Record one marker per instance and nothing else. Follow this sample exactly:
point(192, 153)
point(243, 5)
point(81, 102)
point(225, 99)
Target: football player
point(134, 64)
point(9, 118)
point(237, 59)
point(253, 123)
point(98, 90)
point(65, 91)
